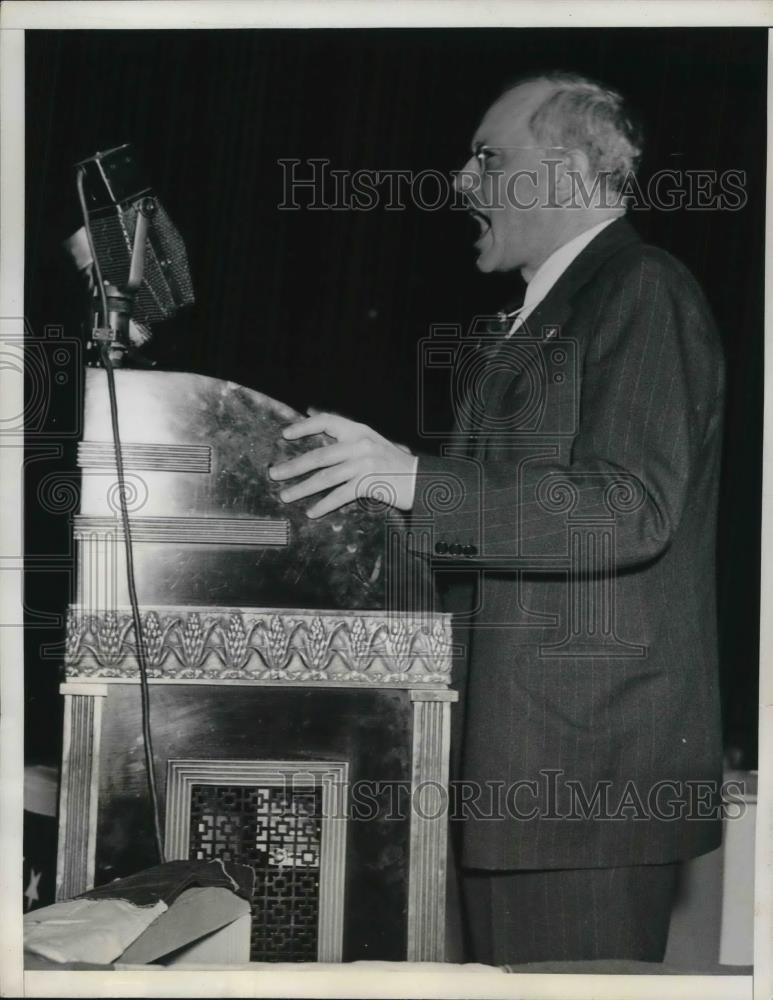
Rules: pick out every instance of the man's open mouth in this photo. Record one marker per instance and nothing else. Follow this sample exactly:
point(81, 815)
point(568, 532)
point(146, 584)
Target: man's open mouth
point(483, 222)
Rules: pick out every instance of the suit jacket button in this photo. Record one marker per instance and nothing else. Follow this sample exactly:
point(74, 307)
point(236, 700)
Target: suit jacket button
point(468, 550)
point(473, 550)
point(441, 548)
point(455, 549)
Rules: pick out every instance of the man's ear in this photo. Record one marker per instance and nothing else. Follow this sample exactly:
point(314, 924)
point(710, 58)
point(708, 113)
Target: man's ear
point(573, 179)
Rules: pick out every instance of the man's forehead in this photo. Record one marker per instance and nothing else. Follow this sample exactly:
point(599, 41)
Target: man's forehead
point(507, 120)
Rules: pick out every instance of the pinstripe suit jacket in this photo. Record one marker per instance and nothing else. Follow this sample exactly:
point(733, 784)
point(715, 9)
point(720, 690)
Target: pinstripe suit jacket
point(581, 491)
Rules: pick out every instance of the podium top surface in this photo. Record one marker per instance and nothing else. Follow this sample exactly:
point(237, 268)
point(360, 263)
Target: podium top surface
point(208, 526)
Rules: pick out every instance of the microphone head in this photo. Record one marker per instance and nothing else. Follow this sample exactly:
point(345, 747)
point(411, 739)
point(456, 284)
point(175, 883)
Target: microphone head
point(116, 191)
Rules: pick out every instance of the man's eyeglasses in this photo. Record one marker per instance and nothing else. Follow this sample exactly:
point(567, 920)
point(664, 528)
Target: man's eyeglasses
point(482, 152)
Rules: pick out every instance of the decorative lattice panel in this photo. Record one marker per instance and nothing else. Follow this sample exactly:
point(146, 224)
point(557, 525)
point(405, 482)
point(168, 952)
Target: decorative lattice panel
point(278, 832)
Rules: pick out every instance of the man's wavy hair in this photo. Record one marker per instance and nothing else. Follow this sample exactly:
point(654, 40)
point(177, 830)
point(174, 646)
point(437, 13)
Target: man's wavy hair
point(583, 114)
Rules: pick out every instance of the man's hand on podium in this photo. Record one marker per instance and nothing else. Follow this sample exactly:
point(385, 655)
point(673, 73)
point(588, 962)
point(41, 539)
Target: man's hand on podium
point(360, 464)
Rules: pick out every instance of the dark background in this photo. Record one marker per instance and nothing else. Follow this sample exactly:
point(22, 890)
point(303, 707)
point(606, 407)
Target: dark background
point(327, 308)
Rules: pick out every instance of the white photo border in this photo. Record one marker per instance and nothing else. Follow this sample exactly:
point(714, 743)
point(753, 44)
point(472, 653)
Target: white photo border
point(352, 980)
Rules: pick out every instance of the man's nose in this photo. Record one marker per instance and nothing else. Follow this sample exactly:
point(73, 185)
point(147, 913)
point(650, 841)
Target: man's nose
point(468, 178)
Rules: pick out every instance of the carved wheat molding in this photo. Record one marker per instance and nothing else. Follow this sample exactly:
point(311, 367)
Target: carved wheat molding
point(304, 647)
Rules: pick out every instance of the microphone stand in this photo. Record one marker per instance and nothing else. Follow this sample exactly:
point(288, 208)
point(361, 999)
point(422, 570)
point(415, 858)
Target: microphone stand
point(112, 336)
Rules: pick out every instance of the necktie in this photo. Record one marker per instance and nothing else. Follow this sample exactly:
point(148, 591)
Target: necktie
point(516, 319)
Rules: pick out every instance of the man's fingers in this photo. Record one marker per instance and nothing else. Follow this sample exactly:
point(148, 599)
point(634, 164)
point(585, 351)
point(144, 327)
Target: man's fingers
point(333, 501)
point(316, 424)
point(322, 480)
point(333, 424)
point(319, 458)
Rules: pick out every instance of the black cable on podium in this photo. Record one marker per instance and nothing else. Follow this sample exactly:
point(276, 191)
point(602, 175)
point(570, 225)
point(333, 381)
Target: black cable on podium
point(122, 205)
point(139, 641)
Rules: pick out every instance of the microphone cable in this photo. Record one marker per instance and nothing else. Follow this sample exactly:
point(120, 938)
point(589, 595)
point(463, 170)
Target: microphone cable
point(130, 579)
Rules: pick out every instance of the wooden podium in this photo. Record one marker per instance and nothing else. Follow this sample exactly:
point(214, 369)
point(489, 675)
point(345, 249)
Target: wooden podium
point(299, 681)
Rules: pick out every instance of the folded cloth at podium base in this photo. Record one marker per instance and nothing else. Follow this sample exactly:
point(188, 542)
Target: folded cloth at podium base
point(101, 924)
point(87, 930)
point(168, 880)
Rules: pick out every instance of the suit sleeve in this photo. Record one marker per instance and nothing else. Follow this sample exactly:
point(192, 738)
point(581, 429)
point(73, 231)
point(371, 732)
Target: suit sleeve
point(651, 390)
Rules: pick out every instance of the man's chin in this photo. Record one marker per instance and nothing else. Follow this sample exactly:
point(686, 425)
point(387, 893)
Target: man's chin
point(491, 259)
point(486, 261)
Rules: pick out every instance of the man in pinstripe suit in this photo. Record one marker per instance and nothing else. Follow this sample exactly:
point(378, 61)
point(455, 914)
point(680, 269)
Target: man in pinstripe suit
point(580, 490)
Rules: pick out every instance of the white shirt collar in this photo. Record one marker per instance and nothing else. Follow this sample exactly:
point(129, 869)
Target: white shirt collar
point(548, 273)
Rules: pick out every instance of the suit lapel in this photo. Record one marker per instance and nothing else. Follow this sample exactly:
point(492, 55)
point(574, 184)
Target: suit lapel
point(549, 317)
point(472, 382)
point(555, 308)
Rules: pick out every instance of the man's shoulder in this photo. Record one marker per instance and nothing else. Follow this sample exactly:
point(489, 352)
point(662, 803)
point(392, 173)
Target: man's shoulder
point(641, 288)
point(640, 272)
point(617, 264)
point(650, 265)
